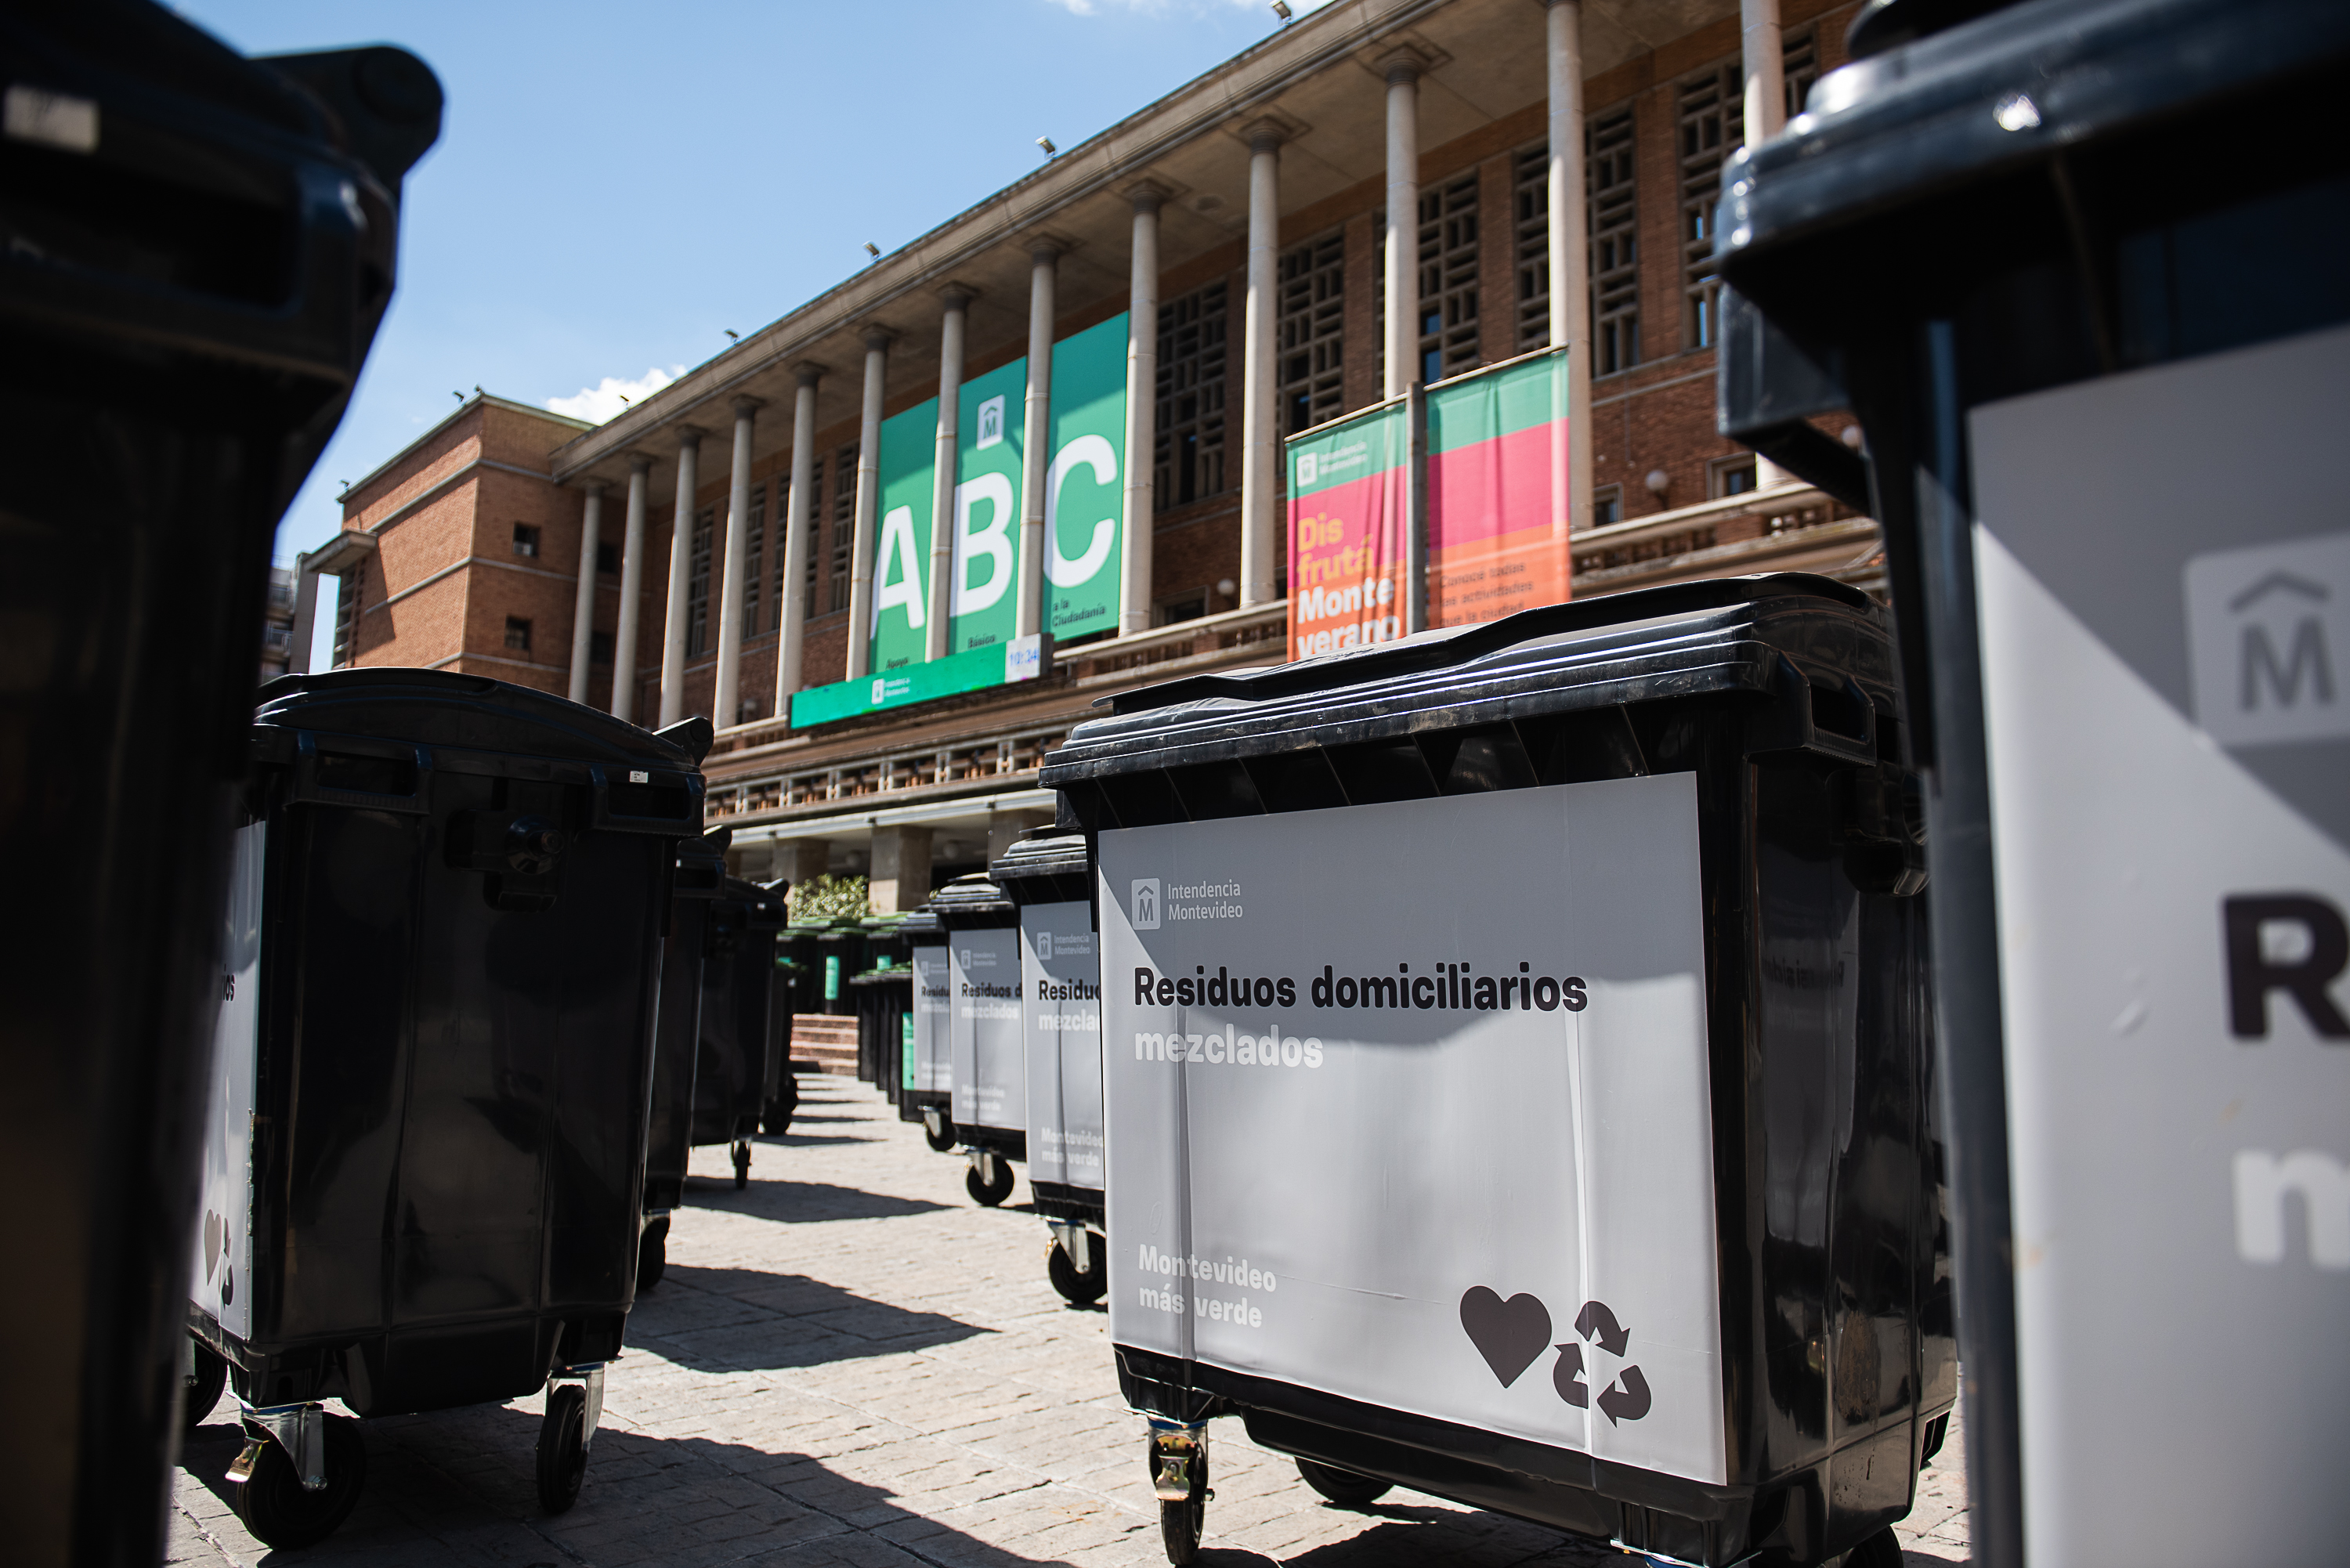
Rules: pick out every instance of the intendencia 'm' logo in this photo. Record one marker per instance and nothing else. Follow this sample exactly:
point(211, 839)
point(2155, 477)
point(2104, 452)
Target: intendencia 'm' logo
point(1144, 903)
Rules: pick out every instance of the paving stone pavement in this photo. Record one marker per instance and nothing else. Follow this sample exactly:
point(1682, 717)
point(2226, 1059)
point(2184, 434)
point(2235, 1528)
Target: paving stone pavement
point(851, 1366)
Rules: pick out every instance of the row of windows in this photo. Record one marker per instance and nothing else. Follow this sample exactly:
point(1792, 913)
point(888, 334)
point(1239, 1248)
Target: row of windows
point(1188, 459)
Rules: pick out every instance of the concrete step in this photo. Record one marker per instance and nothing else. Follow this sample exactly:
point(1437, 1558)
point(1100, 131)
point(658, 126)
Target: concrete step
point(825, 1043)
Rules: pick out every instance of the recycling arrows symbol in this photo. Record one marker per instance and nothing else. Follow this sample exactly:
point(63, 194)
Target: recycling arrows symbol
point(1508, 1336)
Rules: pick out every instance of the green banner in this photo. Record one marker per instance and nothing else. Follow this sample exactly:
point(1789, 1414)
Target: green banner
point(1084, 501)
point(918, 682)
point(1085, 486)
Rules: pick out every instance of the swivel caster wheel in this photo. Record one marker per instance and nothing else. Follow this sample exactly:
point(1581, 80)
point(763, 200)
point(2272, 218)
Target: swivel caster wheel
point(652, 1254)
point(941, 1138)
point(1344, 1488)
point(271, 1500)
point(776, 1120)
point(1182, 1520)
point(986, 1193)
point(1077, 1287)
point(741, 1165)
point(562, 1448)
point(205, 1384)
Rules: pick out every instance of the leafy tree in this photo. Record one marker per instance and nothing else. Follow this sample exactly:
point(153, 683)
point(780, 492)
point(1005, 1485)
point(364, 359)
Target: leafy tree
point(825, 897)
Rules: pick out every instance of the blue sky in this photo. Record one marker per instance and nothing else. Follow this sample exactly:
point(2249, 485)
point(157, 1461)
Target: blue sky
point(615, 185)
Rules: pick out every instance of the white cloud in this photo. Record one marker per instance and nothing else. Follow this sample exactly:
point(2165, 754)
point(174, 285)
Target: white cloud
point(610, 396)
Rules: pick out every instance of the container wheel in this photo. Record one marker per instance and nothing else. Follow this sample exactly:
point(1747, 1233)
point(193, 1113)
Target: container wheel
point(741, 1165)
point(562, 1447)
point(777, 1119)
point(278, 1513)
point(1344, 1488)
point(1180, 1524)
point(943, 1140)
point(988, 1195)
point(205, 1384)
point(1882, 1550)
point(1077, 1287)
point(652, 1255)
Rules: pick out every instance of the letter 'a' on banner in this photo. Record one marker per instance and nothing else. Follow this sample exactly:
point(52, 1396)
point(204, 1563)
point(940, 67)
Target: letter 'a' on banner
point(1495, 464)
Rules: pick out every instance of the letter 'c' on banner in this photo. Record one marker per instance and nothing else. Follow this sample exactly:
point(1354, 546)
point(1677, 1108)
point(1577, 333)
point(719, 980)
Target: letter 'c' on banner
point(1095, 453)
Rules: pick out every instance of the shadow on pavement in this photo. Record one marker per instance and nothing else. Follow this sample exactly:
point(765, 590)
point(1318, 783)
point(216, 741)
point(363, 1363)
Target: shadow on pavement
point(746, 1320)
point(800, 1202)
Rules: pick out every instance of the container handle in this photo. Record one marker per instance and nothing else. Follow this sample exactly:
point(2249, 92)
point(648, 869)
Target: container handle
point(342, 776)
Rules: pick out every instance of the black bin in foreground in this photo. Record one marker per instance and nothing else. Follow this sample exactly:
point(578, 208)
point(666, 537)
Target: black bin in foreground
point(986, 1052)
point(200, 249)
point(1048, 874)
point(926, 1081)
point(426, 1121)
point(1518, 1076)
point(738, 983)
point(699, 879)
point(2104, 391)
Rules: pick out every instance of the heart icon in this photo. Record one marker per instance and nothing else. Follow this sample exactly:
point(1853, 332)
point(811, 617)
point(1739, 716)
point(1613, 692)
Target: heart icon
point(1508, 1333)
point(211, 1242)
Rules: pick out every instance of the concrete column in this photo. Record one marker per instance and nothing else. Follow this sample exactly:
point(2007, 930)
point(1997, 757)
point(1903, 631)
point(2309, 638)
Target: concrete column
point(1402, 280)
point(728, 698)
point(1763, 56)
point(1004, 828)
point(680, 576)
point(936, 641)
point(799, 861)
point(899, 877)
point(633, 588)
point(796, 523)
point(306, 615)
point(1259, 427)
point(583, 602)
point(1037, 453)
point(1141, 415)
point(1570, 266)
point(869, 500)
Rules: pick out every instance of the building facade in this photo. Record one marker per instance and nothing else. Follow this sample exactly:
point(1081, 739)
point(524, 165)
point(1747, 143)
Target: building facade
point(1235, 252)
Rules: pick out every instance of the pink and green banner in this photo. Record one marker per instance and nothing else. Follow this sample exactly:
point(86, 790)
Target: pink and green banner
point(1495, 461)
point(1497, 490)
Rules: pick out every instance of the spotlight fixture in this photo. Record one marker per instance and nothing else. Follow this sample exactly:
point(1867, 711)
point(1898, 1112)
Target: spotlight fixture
point(1046, 144)
point(1281, 9)
point(458, 396)
point(732, 335)
point(873, 250)
point(622, 396)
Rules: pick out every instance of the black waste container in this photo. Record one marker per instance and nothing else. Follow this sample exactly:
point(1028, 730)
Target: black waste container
point(426, 1116)
point(699, 879)
point(1048, 874)
point(796, 945)
point(738, 968)
point(883, 998)
point(884, 949)
point(782, 1096)
point(926, 1080)
point(886, 946)
point(1518, 1072)
point(199, 249)
point(986, 1052)
point(839, 954)
point(2102, 391)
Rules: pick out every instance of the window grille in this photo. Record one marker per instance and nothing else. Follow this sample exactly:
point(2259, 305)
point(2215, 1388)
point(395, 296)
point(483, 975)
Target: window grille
point(697, 585)
point(844, 523)
point(1311, 338)
point(1713, 126)
point(1190, 453)
point(1448, 279)
point(1612, 219)
point(754, 561)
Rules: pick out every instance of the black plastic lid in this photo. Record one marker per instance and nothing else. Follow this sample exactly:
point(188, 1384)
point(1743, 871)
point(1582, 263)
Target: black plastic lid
point(1687, 639)
point(1973, 101)
point(922, 928)
point(762, 905)
point(437, 708)
point(973, 903)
